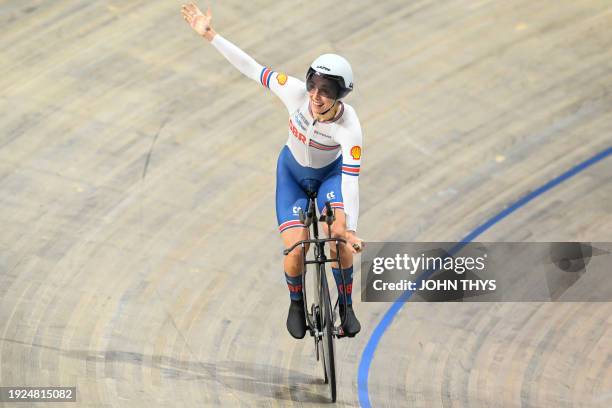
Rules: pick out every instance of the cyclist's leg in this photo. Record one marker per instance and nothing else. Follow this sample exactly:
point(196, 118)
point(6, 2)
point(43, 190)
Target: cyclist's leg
point(331, 190)
point(338, 229)
point(294, 261)
point(290, 198)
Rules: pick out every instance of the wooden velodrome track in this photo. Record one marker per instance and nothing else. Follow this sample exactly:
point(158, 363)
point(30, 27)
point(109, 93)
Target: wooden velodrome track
point(139, 256)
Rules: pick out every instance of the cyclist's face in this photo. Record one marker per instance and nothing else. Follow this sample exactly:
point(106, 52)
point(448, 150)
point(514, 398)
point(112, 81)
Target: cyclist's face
point(322, 93)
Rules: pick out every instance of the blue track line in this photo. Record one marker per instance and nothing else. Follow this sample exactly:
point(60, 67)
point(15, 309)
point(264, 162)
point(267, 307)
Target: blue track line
point(385, 322)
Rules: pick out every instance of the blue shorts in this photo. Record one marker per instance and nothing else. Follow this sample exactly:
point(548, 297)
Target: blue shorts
point(292, 182)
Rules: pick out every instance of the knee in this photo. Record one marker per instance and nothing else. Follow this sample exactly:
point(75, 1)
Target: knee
point(296, 255)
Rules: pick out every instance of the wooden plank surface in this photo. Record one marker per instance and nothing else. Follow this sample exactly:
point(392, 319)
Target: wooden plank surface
point(139, 257)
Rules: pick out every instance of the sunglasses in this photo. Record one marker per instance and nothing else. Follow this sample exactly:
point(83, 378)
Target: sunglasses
point(326, 87)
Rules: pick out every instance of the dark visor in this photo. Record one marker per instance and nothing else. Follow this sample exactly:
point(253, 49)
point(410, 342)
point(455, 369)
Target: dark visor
point(327, 87)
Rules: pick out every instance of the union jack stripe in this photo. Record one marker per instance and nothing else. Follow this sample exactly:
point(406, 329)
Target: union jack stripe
point(335, 204)
point(264, 76)
point(351, 169)
point(321, 146)
point(290, 224)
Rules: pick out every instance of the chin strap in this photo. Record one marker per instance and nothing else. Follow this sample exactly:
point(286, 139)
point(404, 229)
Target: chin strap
point(330, 108)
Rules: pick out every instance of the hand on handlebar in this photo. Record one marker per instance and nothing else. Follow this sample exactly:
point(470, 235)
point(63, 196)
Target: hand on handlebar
point(354, 243)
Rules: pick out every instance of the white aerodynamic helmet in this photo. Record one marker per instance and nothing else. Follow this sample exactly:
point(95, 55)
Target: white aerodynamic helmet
point(335, 68)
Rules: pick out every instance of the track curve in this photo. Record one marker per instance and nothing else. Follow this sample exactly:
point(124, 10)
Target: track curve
point(139, 258)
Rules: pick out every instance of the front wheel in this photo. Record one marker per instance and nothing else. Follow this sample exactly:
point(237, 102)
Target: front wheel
point(328, 336)
point(319, 341)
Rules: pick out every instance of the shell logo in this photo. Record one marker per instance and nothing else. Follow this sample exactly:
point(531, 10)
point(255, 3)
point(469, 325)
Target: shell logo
point(281, 77)
point(356, 152)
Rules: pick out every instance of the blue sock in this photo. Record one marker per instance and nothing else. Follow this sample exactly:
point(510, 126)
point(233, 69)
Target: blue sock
point(348, 278)
point(295, 286)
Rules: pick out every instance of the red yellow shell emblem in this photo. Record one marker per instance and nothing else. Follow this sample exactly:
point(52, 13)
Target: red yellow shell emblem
point(281, 77)
point(356, 152)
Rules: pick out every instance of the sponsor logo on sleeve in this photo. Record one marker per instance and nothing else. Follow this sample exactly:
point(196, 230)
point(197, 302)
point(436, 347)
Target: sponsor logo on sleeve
point(281, 77)
point(356, 152)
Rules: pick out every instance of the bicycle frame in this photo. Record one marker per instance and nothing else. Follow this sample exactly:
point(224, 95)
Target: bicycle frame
point(320, 259)
point(324, 329)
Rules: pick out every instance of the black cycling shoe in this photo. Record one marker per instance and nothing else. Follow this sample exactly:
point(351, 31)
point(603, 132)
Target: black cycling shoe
point(350, 325)
point(296, 324)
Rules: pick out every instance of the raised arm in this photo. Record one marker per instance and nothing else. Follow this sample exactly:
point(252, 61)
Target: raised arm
point(290, 90)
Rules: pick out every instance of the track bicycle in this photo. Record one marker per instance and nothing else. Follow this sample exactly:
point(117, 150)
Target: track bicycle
point(321, 317)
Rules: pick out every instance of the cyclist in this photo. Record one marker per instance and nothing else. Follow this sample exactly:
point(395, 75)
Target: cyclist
point(323, 153)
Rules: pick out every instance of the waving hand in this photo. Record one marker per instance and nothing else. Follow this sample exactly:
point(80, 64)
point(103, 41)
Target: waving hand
point(200, 22)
